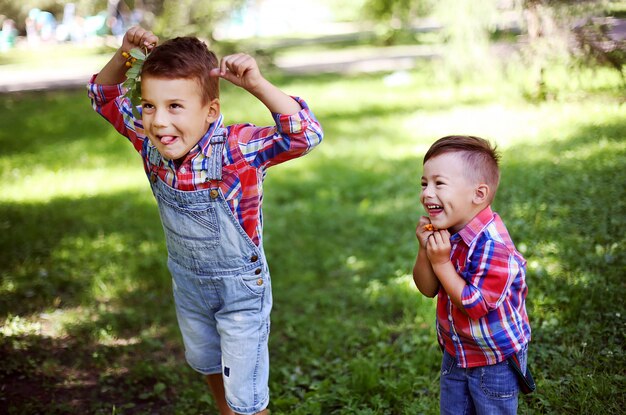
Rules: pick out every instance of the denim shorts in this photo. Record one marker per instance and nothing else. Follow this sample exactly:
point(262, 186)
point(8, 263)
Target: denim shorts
point(481, 390)
point(225, 322)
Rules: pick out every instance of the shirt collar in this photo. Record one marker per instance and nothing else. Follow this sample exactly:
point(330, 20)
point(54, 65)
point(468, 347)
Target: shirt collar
point(474, 226)
point(205, 142)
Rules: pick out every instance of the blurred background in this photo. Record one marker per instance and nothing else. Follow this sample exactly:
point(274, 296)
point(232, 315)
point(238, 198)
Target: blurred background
point(87, 324)
point(490, 38)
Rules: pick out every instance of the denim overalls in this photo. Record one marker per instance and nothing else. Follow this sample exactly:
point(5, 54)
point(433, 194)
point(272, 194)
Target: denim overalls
point(221, 283)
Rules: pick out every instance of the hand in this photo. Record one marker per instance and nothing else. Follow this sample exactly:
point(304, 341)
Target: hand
point(138, 37)
point(241, 70)
point(438, 247)
point(421, 233)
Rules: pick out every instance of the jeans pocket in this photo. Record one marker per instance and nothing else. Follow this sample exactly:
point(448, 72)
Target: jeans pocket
point(498, 381)
point(447, 363)
point(254, 283)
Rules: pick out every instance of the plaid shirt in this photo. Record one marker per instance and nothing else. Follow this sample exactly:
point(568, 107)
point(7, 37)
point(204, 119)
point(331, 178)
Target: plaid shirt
point(249, 151)
point(494, 295)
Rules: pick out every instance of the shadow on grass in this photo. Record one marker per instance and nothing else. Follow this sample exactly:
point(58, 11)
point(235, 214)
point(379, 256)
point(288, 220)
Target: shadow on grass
point(352, 225)
point(72, 375)
point(339, 235)
point(58, 251)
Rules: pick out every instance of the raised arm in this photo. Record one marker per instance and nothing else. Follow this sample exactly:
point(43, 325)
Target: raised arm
point(114, 72)
point(438, 252)
point(242, 70)
point(423, 275)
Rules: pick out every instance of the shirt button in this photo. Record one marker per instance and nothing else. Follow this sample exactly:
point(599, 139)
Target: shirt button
point(454, 338)
point(449, 317)
point(254, 258)
point(257, 271)
point(213, 193)
point(259, 281)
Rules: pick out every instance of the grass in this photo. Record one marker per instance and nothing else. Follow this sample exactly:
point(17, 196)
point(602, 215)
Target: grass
point(88, 324)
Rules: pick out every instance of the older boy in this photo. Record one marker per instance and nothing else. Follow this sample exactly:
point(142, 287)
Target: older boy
point(207, 180)
point(466, 258)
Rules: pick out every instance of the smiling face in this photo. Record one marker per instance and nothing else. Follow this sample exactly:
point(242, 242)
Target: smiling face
point(448, 195)
point(174, 115)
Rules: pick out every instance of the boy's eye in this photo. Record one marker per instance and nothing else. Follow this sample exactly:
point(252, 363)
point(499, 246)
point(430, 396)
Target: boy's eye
point(175, 106)
point(145, 105)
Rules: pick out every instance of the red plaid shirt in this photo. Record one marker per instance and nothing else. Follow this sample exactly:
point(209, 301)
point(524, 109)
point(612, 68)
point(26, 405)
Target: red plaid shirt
point(494, 295)
point(249, 151)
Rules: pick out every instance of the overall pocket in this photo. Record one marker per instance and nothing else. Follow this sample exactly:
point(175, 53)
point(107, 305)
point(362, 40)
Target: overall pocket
point(191, 233)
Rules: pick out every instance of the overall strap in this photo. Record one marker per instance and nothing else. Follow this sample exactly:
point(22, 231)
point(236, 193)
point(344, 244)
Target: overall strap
point(213, 164)
point(154, 160)
point(214, 167)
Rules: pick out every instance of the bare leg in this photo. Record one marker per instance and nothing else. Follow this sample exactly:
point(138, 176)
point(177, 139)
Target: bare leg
point(216, 383)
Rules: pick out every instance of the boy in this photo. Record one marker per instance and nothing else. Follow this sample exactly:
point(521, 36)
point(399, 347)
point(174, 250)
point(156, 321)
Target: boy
point(468, 260)
point(207, 180)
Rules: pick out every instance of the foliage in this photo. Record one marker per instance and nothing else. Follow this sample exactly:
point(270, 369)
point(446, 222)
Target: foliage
point(193, 17)
point(597, 39)
point(559, 31)
point(396, 16)
point(466, 26)
point(87, 322)
point(397, 12)
point(136, 59)
point(18, 9)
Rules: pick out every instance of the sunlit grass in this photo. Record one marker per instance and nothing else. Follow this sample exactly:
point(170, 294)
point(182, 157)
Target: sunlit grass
point(84, 258)
point(42, 185)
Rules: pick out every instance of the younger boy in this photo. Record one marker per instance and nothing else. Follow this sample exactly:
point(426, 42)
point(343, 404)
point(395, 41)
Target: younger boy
point(207, 180)
point(466, 258)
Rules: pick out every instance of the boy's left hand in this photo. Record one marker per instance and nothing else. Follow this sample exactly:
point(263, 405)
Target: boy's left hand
point(241, 70)
point(438, 247)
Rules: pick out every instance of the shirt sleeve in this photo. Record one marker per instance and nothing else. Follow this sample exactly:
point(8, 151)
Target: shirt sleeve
point(109, 101)
point(292, 136)
point(490, 272)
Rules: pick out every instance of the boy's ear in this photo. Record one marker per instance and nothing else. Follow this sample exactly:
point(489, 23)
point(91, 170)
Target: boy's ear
point(214, 110)
point(481, 193)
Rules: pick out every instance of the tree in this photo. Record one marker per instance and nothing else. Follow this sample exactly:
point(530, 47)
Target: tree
point(193, 17)
point(396, 16)
point(562, 30)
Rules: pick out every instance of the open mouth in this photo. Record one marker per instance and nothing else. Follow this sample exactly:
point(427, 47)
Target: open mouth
point(434, 209)
point(167, 139)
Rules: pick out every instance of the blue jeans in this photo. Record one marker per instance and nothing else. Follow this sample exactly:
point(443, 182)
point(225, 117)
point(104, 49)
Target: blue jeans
point(486, 390)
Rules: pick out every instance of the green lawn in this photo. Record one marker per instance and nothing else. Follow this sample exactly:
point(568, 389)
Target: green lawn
point(88, 324)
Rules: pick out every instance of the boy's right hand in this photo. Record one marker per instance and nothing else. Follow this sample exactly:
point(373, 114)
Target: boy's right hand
point(138, 37)
point(114, 72)
point(421, 233)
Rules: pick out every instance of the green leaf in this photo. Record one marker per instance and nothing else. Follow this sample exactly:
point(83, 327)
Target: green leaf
point(137, 54)
point(133, 72)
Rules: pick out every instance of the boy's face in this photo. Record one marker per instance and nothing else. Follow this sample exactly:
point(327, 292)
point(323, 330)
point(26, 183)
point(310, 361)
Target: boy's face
point(174, 117)
point(447, 195)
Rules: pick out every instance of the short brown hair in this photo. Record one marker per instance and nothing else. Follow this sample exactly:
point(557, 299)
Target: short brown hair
point(185, 58)
point(480, 156)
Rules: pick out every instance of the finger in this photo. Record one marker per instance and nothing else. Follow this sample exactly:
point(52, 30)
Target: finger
point(150, 40)
point(239, 64)
point(437, 239)
point(227, 75)
point(431, 241)
point(223, 65)
point(135, 35)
